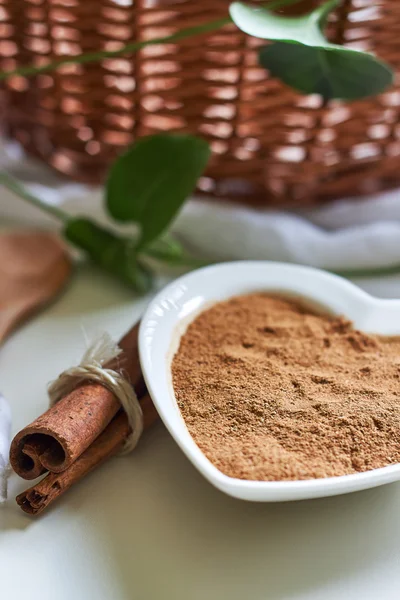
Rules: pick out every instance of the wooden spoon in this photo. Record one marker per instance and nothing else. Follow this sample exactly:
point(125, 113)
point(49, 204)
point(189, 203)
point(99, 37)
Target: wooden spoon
point(34, 267)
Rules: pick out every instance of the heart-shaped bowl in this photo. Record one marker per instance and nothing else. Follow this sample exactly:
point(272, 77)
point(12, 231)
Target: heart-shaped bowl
point(180, 302)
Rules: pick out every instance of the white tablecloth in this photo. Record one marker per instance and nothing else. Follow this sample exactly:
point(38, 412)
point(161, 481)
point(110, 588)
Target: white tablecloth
point(148, 526)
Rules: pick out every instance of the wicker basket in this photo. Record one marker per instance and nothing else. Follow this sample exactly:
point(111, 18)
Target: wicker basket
point(271, 145)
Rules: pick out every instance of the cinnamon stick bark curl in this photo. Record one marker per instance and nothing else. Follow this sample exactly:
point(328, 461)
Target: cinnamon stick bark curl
point(37, 498)
point(59, 436)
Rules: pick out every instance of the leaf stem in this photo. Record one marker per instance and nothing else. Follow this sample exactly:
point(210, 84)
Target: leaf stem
point(134, 46)
point(17, 188)
point(184, 260)
point(102, 54)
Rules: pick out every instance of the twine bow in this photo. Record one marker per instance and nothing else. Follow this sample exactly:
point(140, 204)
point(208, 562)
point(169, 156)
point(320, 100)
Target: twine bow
point(91, 368)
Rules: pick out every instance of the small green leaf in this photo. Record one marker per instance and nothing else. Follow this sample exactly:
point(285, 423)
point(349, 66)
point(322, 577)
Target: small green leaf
point(166, 249)
point(305, 60)
point(331, 72)
point(114, 254)
point(150, 182)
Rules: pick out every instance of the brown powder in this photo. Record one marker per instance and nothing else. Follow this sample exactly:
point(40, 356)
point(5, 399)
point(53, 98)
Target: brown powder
point(271, 390)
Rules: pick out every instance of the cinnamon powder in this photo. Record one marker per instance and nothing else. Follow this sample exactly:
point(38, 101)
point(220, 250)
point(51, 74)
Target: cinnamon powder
point(271, 390)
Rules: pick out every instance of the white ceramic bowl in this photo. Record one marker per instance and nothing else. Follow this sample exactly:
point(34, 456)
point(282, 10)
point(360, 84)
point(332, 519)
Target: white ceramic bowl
point(183, 299)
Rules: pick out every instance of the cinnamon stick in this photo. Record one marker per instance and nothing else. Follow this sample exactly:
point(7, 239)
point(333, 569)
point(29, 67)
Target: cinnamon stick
point(37, 498)
point(58, 437)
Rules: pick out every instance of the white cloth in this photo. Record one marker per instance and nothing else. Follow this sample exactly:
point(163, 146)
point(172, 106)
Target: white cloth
point(5, 438)
point(347, 234)
point(344, 235)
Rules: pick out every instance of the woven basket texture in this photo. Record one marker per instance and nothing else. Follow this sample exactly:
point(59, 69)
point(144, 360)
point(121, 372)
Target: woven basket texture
point(271, 146)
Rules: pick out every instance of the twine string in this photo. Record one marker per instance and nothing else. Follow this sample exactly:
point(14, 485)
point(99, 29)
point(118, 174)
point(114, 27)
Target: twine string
point(91, 368)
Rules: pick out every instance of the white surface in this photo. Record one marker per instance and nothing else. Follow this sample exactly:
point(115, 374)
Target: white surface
point(150, 527)
point(181, 301)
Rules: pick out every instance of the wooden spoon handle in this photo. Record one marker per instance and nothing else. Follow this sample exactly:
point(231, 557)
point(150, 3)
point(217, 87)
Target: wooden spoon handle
point(34, 267)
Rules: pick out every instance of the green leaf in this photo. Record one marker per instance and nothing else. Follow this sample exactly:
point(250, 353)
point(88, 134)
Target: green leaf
point(150, 182)
point(305, 60)
point(114, 254)
point(262, 23)
point(333, 73)
point(166, 248)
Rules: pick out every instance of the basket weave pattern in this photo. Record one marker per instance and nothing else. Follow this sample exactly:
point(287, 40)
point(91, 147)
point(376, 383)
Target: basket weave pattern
point(271, 145)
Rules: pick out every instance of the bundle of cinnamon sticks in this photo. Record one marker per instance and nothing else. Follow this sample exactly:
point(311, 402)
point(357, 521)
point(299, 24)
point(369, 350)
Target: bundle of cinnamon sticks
point(77, 434)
